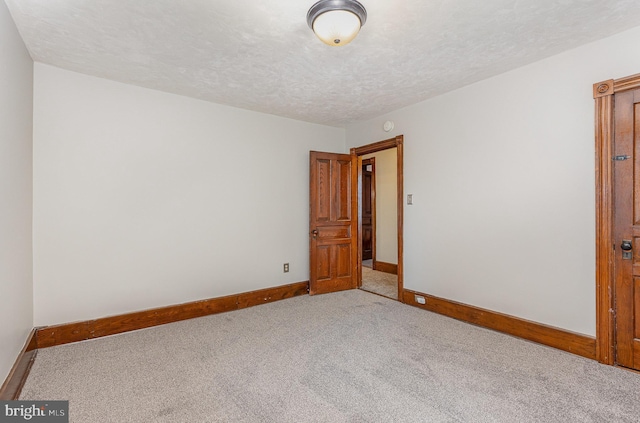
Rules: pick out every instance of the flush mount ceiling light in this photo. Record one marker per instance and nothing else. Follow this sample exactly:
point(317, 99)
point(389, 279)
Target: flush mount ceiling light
point(336, 22)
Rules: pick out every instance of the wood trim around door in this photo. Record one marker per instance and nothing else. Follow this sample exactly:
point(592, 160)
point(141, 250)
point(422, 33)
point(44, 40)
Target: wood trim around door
point(398, 143)
point(603, 93)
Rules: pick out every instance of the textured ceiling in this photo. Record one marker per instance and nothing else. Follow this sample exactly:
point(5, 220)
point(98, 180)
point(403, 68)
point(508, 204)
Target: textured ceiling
point(260, 55)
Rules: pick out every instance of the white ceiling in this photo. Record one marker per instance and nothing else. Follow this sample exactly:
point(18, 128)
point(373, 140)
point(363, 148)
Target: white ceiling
point(260, 55)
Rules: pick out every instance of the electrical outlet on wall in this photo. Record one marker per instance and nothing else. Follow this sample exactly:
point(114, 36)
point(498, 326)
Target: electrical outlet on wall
point(286, 268)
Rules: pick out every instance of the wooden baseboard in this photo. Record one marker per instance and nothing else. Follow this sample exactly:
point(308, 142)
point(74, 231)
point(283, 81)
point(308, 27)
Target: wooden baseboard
point(381, 266)
point(572, 342)
point(18, 374)
point(50, 336)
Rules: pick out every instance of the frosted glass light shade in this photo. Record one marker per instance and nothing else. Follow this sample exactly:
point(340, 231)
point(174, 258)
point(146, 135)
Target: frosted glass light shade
point(337, 27)
point(336, 22)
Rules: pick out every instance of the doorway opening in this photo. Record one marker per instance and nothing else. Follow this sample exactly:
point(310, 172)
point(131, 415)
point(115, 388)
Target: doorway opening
point(380, 217)
point(368, 208)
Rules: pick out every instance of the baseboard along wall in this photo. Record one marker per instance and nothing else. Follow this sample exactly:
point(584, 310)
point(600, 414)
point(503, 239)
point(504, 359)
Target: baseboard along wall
point(382, 266)
point(50, 336)
point(572, 342)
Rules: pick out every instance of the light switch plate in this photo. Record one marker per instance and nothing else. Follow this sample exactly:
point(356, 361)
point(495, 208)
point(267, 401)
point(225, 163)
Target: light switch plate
point(409, 199)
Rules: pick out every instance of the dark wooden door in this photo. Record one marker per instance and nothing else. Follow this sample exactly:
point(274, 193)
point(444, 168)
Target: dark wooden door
point(332, 223)
point(368, 208)
point(627, 227)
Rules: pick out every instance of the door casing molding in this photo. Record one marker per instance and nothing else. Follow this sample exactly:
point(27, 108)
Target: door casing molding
point(603, 93)
point(396, 142)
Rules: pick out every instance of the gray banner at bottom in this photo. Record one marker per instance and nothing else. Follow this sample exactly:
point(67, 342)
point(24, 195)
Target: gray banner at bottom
point(34, 411)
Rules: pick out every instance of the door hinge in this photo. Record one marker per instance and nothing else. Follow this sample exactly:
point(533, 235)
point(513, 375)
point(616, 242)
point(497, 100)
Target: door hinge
point(620, 158)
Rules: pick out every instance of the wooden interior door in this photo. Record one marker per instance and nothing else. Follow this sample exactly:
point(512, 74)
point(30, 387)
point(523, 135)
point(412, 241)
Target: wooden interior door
point(368, 208)
point(626, 174)
point(332, 223)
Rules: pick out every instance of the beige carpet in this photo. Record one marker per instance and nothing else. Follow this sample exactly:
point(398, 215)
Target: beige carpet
point(380, 283)
point(344, 357)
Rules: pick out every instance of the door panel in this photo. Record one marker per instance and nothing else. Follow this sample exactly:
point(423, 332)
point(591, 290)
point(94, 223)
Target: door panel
point(343, 191)
point(323, 259)
point(323, 205)
point(333, 232)
point(332, 223)
point(344, 260)
point(627, 227)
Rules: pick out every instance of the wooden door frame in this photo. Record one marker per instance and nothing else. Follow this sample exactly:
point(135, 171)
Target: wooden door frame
point(603, 93)
point(372, 161)
point(398, 143)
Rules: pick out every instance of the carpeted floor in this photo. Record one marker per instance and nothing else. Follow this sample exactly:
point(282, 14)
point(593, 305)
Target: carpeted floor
point(343, 357)
point(381, 283)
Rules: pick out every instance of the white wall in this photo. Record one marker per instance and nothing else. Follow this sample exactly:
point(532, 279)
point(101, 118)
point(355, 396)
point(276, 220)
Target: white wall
point(16, 103)
point(386, 205)
point(144, 199)
point(502, 173)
